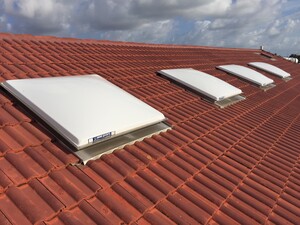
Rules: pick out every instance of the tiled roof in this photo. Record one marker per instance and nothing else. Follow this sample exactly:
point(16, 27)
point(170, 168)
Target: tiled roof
point(216, 166)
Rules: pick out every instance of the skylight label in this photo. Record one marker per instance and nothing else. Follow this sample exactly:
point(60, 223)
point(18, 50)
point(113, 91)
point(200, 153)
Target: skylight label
point(101, 137)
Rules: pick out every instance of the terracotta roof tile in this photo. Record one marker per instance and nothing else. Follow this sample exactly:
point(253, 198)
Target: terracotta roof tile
point(216, 166)
point(118, 205)
point(70, 185)
point(22, 204)
point(85, 213)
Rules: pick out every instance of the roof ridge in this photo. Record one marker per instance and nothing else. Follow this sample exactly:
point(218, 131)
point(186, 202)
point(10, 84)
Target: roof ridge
point(12, 36)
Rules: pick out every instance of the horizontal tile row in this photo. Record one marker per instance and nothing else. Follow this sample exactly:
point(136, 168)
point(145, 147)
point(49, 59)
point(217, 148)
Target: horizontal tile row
point(17, 168)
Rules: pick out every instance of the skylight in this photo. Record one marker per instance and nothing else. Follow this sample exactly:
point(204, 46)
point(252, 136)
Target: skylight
point(271, 69)
point(85, 110)
point(249, 75)
point(215, 89)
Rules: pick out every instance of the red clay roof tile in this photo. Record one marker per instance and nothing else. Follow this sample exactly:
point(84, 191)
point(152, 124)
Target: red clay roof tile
point(216, 166)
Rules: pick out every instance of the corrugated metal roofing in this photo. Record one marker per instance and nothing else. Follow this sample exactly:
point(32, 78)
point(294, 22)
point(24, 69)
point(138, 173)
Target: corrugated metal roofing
point(225, 166)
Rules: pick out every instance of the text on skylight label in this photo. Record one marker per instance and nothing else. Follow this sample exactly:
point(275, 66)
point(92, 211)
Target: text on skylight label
point(101, 137)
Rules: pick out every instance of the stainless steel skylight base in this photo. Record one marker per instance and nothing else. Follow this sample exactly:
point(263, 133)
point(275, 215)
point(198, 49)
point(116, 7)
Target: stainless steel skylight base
point(267, 87)
point(105, 147)
point(286, 79)
point(229, 101)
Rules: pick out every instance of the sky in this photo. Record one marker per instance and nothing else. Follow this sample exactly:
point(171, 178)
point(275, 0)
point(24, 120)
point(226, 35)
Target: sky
point(274, 24)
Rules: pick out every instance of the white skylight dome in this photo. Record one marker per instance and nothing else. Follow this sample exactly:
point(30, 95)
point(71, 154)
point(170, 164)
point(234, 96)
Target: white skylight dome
point(217, 90)
point(270, 69)
point(249, 75)
point(84, 109)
